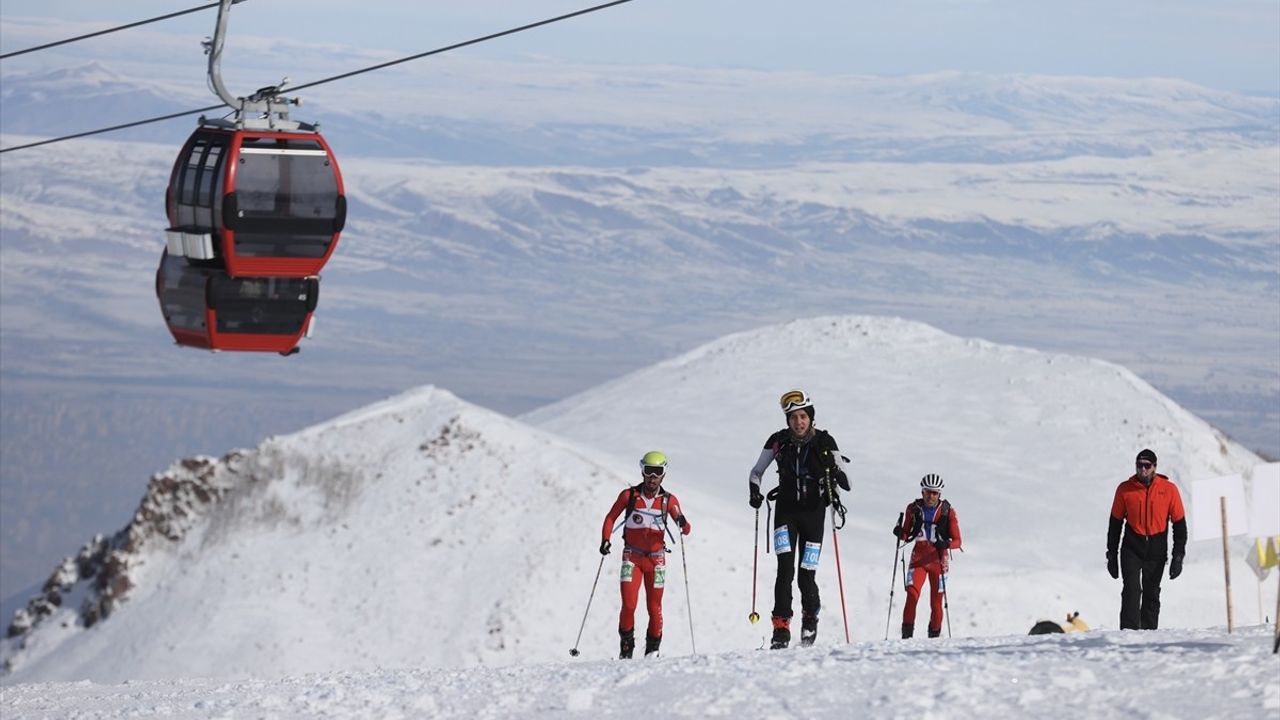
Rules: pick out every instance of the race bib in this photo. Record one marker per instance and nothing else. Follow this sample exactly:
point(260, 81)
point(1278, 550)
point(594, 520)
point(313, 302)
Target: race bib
point(628, 568)
point(809, 558)
point(781, 540)
point(660, 576)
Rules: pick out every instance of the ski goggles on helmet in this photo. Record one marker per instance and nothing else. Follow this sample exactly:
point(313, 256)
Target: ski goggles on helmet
point(794, 400)
point(653, 470)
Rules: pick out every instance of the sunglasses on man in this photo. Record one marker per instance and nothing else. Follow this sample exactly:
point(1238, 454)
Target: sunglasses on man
point(1145, 466)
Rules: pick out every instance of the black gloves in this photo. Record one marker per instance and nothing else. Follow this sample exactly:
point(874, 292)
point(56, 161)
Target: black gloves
point(604, 547)
point(897, 531)
point(1113, 565)
point(1175, 566)
point(684, 525)
point(756, 497)
point(941, 545)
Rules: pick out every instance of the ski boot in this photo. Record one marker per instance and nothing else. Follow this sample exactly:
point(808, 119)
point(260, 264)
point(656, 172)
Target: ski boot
point(935, 633)
point(808, 629)
point(908, 631)
point(781, 633)
point(651, 644)
point(627, 645)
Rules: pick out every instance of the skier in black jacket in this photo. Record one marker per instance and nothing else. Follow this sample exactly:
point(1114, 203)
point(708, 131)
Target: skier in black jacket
point(809, 468)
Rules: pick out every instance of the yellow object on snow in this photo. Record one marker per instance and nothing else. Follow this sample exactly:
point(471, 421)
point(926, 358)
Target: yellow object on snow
point(1263, 555)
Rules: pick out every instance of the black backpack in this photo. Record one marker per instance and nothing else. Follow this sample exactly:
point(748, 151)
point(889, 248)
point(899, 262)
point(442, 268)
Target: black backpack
point(941, 521)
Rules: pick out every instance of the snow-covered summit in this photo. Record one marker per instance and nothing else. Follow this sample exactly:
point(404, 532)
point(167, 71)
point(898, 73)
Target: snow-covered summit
point(1030, 444)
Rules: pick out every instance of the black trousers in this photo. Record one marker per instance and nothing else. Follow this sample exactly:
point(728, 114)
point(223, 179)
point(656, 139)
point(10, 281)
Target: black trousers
point(802, 526)
point(1142, 560)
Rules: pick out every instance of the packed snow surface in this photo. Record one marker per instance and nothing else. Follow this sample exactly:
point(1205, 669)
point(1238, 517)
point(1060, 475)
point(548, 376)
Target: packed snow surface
point(1097, 674)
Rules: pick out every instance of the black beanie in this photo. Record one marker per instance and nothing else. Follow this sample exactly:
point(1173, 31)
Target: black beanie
point(1146, 454)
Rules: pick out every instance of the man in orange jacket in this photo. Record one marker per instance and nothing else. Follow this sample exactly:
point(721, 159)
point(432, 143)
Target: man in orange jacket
point(1144, 506)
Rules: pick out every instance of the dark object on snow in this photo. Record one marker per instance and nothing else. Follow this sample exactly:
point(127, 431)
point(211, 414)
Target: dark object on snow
point(1045, 627)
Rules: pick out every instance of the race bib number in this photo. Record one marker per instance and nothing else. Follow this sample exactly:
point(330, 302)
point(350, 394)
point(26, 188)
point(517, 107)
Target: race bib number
point(660, 576)
point(628, 569)
point(781, 540)
point(809, 559)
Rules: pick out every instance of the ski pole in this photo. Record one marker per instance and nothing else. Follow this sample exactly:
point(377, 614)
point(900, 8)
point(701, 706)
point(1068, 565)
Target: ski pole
point(768, 522)
point(835, 541)
point(574, 650)
point(687, 602)
point(840, 577)
point(754, 617)
point(897, 549)
point(946, 609)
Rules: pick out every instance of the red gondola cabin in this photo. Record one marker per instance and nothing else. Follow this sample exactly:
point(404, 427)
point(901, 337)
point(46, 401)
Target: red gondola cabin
point(257, 203)
point(206, 308)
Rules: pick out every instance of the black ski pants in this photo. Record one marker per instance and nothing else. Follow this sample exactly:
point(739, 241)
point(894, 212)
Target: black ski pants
point(802, 526)
point(1142, 559)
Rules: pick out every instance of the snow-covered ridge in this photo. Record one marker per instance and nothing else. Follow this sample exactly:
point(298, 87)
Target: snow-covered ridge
point(104, 571)
point(318, 549)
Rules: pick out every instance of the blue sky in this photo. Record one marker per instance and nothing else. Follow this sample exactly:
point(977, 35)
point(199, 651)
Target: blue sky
point(1226, 44)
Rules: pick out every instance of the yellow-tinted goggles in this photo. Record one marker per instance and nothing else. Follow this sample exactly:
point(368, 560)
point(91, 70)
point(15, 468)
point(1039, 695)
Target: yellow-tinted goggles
point(793, 400)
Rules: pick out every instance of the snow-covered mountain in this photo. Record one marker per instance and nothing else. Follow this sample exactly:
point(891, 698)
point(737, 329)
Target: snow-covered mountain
point(423, 531)
point(417, 532)
point(521, 231)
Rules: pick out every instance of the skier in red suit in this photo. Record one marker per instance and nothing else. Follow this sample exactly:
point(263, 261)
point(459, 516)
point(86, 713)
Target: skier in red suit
point(932, 523)
point(644, 555)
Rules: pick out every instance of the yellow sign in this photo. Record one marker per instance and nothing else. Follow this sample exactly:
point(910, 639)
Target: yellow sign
point(1263, 555)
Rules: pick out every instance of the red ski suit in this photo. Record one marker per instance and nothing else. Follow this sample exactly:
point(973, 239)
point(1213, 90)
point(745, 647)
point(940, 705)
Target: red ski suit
point(644, 554)
point(921, 523)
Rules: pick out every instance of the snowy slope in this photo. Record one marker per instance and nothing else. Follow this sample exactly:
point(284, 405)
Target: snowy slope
point(417, 532)
point(1193, 674)
point(1031, 445)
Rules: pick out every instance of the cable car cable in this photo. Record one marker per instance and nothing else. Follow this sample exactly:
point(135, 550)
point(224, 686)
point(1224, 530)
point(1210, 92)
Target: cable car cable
point(46, 46)
point(380, 66)
point(465, 43)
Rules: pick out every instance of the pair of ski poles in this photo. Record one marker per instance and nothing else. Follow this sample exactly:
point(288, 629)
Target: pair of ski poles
point(754, 617)
point(688, 603)
point(893, 584)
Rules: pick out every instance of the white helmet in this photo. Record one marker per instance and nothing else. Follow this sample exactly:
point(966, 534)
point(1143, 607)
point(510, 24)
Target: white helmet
point(931, 482)
point(793, 400)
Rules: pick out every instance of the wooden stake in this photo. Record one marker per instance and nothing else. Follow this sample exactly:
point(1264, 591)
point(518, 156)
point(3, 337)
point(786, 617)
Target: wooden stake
point(1226, 561)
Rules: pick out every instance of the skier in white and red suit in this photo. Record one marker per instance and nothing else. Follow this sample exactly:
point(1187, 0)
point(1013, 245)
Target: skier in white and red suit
point(644, 554)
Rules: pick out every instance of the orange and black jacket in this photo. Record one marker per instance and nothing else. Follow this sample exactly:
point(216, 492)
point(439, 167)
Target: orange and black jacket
point(1145, 512)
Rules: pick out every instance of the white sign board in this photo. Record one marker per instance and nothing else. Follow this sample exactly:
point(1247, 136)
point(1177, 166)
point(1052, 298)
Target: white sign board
point(1264, 511)
point(1205, 514)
